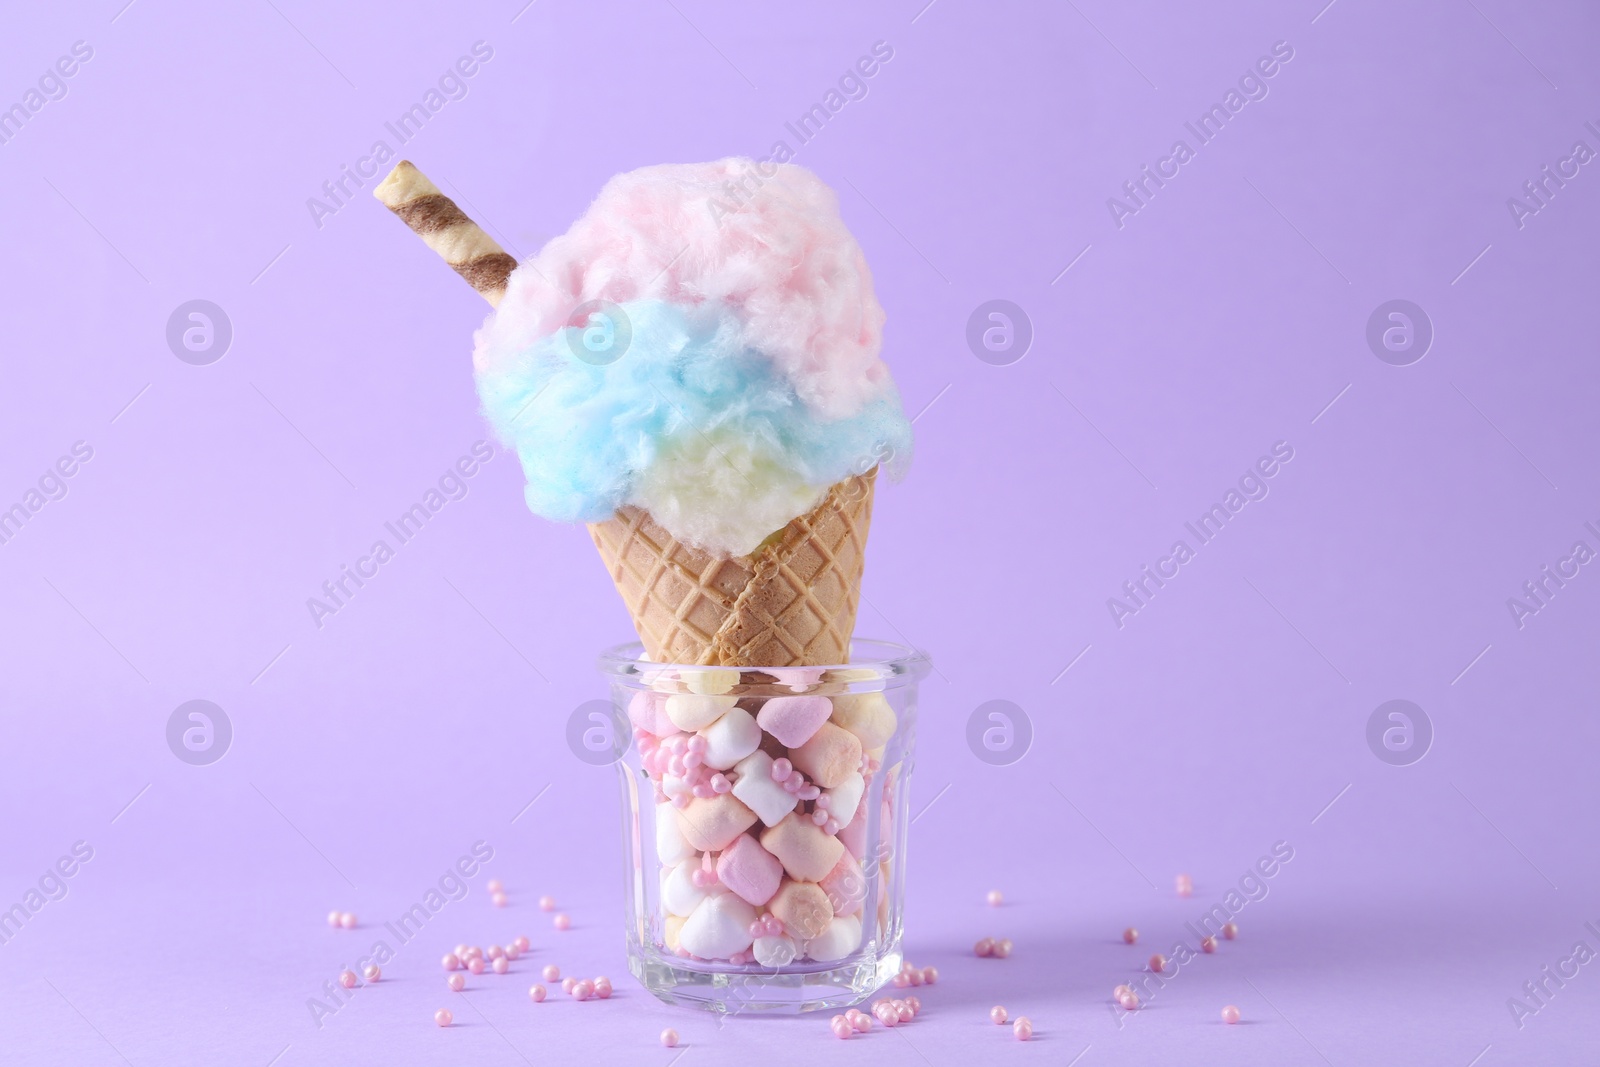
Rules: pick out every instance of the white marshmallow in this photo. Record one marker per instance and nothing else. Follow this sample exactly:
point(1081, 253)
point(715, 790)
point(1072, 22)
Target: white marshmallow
point(730, 739)
point(845, 798)
point(775, 950)
point(719, 927)
point(679, 894)
point(671, 846)
point(842, 937)
point(755, 787)
point(691, 713)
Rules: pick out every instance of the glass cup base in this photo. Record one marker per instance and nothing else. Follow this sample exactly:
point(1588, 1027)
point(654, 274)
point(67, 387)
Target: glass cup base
point(731, 990)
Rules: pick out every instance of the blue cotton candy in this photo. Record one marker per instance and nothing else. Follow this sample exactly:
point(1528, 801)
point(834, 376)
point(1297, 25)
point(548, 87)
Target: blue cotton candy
point(705, 433)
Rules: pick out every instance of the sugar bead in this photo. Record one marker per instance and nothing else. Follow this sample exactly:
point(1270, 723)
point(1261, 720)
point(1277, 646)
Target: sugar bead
point(997, 1015)
point(547, 903)
point(536, 993)
point(1158, 963)
point(371, 973)
point(669, 1038)
point(996, 898)
point(1230, 1015)
point(1230, 931)
point(347, 979)
point(985, 947)
point(1208, 944)
point(1002, 948)
point(563, 921)
point(1022, 1028)
point(1130, 936)
point(443, 1017)
point(501, 965)
point(456, 981)
point(451, 962)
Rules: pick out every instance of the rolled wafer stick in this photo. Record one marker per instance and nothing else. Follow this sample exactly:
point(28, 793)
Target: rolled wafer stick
point(436, 219)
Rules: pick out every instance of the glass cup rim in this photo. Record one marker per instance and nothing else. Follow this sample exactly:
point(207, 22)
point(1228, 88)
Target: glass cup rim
point(882, 661)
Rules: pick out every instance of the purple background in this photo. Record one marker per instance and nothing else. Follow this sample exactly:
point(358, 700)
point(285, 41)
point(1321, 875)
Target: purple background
point(1226, 315)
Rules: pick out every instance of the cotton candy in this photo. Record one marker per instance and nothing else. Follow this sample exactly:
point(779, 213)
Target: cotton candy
point(743, 376)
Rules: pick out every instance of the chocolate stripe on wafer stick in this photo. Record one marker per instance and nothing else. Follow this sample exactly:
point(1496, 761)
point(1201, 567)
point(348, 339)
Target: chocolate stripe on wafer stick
point(436, 219)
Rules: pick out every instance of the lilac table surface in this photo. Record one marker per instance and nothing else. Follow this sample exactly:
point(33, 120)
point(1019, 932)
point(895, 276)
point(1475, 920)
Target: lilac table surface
point(1179, 332)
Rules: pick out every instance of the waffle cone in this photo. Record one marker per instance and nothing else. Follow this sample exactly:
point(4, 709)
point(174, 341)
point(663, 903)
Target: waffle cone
point(792, 602)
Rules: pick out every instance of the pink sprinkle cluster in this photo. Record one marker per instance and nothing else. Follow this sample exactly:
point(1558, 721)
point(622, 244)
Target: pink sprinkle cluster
point(992, 947)
point(769, 925)
point(915, 976)
point(681, 756)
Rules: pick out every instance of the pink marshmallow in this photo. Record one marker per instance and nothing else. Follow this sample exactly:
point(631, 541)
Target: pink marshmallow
point(749, 870)
point(829, 757)
point(794, 720)
point(648, 711)
point(846, 886)
point(854, 835)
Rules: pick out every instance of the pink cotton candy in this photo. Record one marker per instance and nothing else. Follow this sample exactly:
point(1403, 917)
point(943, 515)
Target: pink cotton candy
point(764, 240)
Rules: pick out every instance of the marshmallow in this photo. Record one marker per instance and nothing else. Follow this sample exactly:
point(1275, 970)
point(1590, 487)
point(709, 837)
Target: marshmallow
point(648, 712)
point(709, 682)
point(832, 754)
point(749, 870)
point(853, 835)
point(679, 894)
point(719, 927)
point(844, 799)
point(842, 937)
point(711, 823)
point(768, 799)
point(670, 931)
point(691, 713)
point(867, 715)
point(673, 785)
point(803, 909)
point(793, 720)
point(806, 850)
point(774, 950)
point(846, 886)
point(730, 739)
point(671, 846)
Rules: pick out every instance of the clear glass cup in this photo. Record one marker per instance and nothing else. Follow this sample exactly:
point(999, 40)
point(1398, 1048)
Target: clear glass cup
point(748, 888)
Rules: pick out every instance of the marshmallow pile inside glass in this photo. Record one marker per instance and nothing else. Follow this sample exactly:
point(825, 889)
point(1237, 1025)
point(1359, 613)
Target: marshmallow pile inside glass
point(718, 368)
point(776, 818)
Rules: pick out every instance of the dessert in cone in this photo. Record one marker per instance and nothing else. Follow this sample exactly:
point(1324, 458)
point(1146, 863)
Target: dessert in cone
point(790, 603)
point(791, 599)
